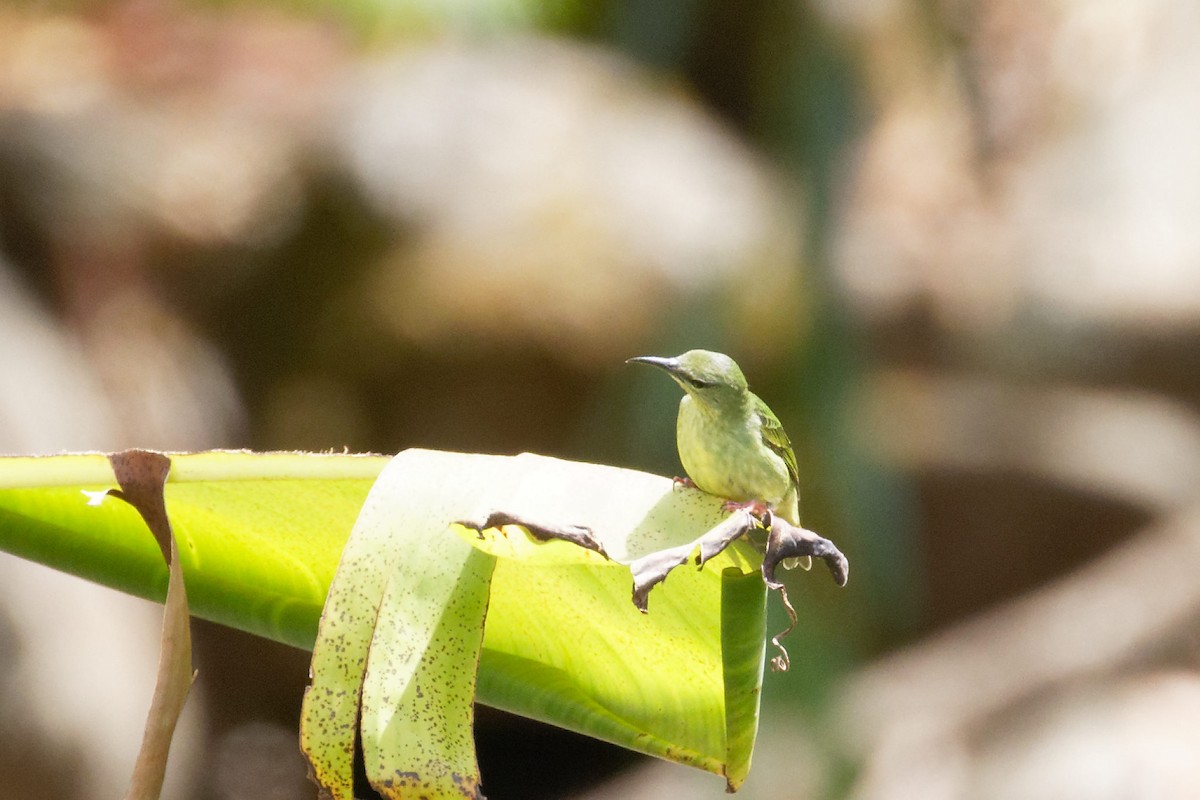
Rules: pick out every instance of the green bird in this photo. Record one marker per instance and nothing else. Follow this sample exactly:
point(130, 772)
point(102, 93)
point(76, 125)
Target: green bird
point(730, 443)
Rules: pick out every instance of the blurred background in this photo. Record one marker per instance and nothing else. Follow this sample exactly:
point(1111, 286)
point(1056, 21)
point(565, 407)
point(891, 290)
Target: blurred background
point(953, 244)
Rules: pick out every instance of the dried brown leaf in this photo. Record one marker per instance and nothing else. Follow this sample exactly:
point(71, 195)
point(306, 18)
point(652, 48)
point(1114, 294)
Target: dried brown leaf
point(142, 475)
point(651, 570)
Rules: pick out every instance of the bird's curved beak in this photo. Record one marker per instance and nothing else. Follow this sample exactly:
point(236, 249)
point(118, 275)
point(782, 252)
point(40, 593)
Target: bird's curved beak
point(669, 364)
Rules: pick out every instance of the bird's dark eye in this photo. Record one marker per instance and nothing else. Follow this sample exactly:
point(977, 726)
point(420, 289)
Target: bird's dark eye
point(699, 384)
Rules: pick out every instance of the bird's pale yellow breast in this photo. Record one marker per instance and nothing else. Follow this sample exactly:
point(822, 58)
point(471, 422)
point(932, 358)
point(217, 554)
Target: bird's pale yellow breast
point(725, 455)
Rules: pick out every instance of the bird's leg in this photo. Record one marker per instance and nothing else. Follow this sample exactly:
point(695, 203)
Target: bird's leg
point(684, 483)
point(756, 507)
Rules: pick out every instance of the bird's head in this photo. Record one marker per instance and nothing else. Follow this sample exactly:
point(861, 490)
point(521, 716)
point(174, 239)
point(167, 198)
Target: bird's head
point(712, 379)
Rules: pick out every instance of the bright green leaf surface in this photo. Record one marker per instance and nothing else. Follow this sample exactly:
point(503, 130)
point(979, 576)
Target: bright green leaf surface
point(261, 536)
point(259, 533)
point(403, 623)
point(418, 704)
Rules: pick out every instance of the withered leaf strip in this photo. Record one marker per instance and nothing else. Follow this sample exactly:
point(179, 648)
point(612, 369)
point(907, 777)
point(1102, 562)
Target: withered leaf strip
point(789, 541)
point(652, 569)
point(142, 476)
point(579, 535)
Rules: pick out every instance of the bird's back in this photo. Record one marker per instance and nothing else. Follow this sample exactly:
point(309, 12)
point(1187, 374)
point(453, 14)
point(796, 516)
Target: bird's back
point(776, 439)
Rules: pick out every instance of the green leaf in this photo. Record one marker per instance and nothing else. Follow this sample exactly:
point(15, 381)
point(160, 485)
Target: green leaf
point(260, 537)
point(563, 642)
point(259, 533)
point(401, 635)
point(430, 725)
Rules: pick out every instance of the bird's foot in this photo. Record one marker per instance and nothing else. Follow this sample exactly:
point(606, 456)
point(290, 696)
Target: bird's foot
point(757, 508)
point(683, 483)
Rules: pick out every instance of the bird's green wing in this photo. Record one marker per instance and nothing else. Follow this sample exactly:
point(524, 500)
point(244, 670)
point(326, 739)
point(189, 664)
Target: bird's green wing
point(776, 438)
